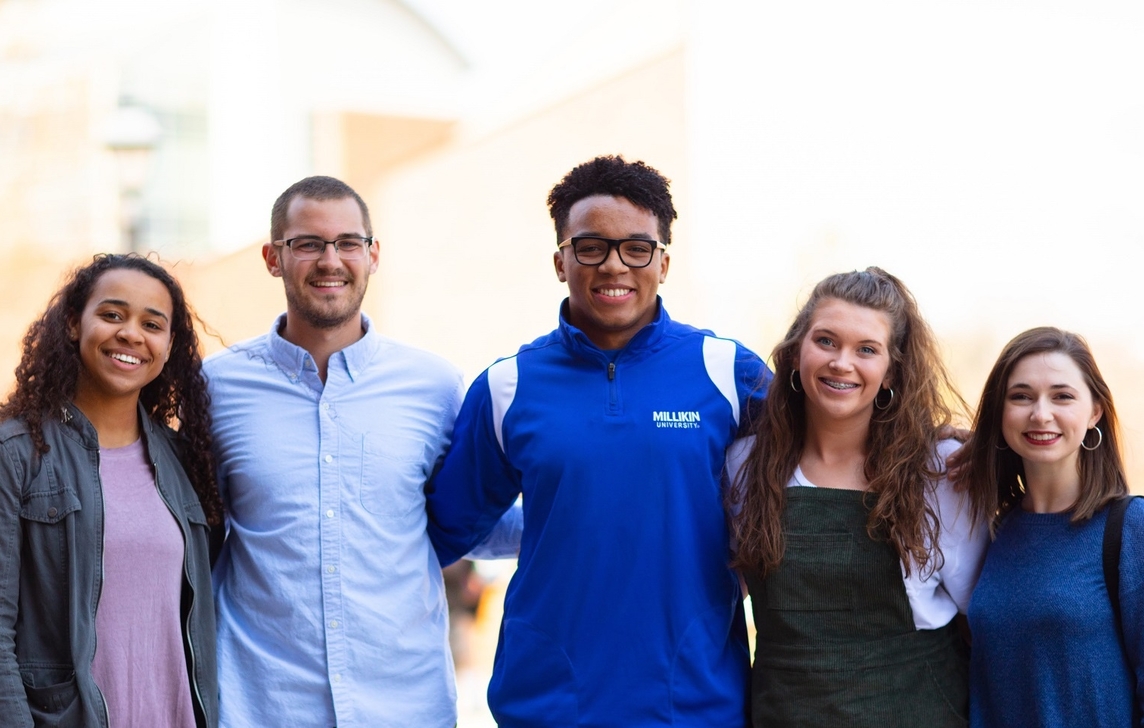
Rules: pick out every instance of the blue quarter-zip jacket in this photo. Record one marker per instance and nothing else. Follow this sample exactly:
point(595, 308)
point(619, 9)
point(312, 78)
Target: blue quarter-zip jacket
point(622, 611)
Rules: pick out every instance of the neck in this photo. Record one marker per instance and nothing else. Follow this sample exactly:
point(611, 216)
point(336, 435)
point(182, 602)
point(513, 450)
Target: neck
point(1051, 488)
point(116, 421)
point(321, 344)
point(834, 454)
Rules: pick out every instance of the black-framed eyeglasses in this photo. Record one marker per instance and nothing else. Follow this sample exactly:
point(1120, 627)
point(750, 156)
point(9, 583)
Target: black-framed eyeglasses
point(594, 250)
point(311, 247)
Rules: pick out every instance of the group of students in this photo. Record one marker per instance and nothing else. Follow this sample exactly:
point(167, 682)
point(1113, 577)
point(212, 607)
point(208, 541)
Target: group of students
point(858, 548)
point(860, 551)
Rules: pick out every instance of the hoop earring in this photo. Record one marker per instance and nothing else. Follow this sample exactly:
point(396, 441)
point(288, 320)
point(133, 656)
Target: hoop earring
point(1099, 440)
point(794, 373)
point(889, 402)
point(1001, 446)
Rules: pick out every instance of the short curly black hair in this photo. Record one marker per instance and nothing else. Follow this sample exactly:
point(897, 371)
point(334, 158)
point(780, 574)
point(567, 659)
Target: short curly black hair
point(640, 184)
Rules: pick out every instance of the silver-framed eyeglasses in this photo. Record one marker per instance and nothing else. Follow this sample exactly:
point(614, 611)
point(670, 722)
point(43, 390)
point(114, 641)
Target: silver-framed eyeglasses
point(311, 247)
point(594, 250)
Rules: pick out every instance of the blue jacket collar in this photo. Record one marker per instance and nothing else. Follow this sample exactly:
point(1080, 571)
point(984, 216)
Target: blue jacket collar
point(644, 340)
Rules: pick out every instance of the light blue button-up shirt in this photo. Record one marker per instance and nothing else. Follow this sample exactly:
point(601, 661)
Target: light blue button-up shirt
point(331, 607)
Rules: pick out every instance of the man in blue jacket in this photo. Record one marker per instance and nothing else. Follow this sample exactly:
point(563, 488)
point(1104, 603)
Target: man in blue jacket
point(622, 611)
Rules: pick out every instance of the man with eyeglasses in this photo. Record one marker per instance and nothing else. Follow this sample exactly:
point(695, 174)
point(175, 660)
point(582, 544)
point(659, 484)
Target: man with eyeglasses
point(622, 611)
point(331, 607)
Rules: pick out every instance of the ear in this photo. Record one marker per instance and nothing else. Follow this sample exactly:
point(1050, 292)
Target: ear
point(558, 261)
point(664, 262)
point(270, 254)
point(374, 256)
point(1097, 413)
point(73, 330)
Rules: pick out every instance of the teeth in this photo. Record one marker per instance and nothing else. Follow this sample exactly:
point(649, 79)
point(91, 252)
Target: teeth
point(1042, 436)
point(614, 292)
point(127, 358)
point(838, 385)
point(328, 284)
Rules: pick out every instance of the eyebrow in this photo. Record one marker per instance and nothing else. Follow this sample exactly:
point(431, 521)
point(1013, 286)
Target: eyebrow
point(633, 236)
point(1022, 385)
point(124, 304)
point(337, 237)
point(824, 330)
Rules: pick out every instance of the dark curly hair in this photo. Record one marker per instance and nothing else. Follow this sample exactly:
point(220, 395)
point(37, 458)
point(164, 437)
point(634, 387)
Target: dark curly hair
point(50, 366)
point(314, 188)
point(995, 474)
point(900, 446)
point(641, 185)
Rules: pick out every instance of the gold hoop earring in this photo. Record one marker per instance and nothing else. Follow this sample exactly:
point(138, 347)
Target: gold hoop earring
point(1099, 440)
point(794, 373)
point(889, 402)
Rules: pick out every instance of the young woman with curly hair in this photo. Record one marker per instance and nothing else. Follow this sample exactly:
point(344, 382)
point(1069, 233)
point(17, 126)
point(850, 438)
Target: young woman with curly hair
point(1049, 648)
point(107, 497)
point(856, 551)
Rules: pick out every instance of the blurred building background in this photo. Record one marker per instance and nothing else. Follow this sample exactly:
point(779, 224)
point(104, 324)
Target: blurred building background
point(988, 153)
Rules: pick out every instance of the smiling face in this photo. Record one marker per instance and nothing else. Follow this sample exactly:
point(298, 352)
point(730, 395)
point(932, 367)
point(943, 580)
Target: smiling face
point(610, 302)
point(843, 360)
point(124, 337)
point(326, 293)
point(1048, 409)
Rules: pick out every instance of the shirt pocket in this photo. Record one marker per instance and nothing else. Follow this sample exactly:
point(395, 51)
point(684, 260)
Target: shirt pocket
point(44, 510)
point(393, 474)
point(46, 500)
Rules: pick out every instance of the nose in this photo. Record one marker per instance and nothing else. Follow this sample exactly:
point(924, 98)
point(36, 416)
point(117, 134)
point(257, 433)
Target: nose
point(129, 331)
point(1041, 411)
point(612, 262)
point(330, 257)
point(841, 361)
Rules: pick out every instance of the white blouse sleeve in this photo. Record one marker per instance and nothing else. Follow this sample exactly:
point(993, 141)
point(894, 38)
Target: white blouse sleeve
point(937, 597)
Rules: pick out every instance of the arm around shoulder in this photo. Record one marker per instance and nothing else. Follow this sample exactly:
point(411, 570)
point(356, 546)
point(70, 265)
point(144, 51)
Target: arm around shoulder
point(475, 484)
point(962, 538)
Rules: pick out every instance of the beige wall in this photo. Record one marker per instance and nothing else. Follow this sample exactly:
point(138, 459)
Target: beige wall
point(467, 243)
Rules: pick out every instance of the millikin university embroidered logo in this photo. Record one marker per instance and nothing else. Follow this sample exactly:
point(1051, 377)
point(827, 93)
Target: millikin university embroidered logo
point(676, 420)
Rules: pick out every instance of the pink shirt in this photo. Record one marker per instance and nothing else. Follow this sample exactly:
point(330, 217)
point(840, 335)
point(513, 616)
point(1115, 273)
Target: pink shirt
point(139, 665)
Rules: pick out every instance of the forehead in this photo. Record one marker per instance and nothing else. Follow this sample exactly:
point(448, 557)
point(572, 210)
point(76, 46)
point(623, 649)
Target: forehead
point(851, 321)
point(307, 216)
point(135, 287)
point(615, 217)
point(1048, 368)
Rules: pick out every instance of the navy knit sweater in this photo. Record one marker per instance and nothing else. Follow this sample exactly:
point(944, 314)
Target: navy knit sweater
point(1045, 647)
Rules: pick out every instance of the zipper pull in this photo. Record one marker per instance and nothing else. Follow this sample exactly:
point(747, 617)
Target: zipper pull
point(611, 370)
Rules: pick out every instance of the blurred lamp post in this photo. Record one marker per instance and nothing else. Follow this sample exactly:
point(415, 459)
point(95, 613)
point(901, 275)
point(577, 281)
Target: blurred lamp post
point(132, 134)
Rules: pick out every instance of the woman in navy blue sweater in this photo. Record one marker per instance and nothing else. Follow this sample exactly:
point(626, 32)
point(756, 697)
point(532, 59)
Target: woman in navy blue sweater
point(1047, 649)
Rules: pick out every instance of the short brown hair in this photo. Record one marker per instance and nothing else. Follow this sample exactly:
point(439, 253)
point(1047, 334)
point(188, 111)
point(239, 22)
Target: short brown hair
point(315, 188)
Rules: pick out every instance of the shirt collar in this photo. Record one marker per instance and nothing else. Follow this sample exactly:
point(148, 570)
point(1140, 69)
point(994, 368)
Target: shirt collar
point(294, 360)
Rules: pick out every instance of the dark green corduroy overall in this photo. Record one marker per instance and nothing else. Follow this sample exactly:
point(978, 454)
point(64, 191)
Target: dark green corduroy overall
point(837, 645)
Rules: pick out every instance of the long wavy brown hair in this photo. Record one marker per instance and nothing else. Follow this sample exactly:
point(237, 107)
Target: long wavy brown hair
point(995, 474)
point(900, 450)
point(50, 365)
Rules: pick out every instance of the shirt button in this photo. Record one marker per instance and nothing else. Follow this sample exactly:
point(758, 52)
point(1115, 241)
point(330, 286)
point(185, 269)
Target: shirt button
point(331, 569)
point(333, 624)
point(337, 677)
point(330, 513)
point(326, 406)
point(329, 458)
point(52, 512)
